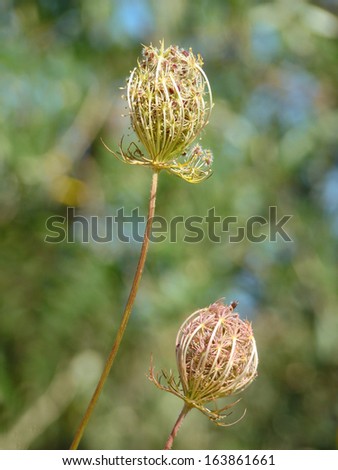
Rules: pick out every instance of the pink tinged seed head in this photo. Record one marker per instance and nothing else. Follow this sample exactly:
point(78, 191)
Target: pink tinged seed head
point(216, 357)
point(216, 353)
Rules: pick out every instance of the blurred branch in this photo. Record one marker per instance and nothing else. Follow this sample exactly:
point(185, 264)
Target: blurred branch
point(48, 408)
point(73, 145)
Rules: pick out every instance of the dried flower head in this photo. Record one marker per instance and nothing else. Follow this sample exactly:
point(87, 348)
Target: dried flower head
point(216, 357)
point(169, 101)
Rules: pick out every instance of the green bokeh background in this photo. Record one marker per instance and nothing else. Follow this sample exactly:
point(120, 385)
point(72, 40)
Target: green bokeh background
point(273, 68)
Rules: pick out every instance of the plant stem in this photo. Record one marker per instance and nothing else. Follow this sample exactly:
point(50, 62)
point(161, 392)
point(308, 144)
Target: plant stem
point(125, 316)
point(177, 426)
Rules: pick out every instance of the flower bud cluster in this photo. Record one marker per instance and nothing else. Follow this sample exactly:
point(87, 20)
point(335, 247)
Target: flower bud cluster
point(169, 102)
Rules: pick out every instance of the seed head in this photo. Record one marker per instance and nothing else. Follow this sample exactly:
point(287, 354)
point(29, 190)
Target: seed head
point(216, 357)
point(169, 102)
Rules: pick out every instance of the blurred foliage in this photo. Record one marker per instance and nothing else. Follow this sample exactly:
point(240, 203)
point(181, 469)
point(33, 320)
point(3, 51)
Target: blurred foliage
point(274, 73)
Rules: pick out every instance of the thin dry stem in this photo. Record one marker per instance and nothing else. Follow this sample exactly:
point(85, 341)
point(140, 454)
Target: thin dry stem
point(125, 317)
point(177, 425)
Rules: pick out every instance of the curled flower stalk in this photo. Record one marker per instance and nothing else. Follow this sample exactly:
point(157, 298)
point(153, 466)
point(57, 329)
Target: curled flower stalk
point(169, 101)
point(216, 357)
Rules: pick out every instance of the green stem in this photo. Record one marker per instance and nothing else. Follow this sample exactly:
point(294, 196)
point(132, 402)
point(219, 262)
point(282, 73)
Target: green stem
point(125, 317)
point(177, 425)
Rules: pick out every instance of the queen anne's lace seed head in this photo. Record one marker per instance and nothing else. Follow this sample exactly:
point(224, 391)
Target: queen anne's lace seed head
point(169, 102)
point(216, 357)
